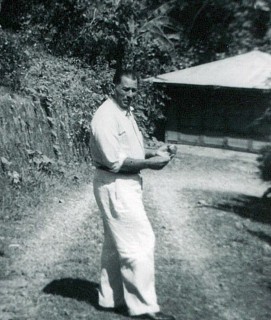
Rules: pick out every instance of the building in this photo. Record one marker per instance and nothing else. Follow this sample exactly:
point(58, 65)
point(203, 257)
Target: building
point(217, 103)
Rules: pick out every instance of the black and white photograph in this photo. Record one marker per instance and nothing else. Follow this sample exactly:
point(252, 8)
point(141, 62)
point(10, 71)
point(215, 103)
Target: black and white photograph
point(135, 159)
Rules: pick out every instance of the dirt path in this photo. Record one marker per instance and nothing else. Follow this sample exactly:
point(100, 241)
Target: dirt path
point(213, 246)
point(223, 271)
point(39, 250)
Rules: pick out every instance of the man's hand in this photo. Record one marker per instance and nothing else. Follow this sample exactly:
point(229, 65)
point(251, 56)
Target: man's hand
point(172, 150)
point(162, 151)
point(154, 159)
point(169, 150)
point(158, 162)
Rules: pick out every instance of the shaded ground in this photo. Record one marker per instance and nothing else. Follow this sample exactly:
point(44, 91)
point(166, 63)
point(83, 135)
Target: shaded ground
point(213, 257)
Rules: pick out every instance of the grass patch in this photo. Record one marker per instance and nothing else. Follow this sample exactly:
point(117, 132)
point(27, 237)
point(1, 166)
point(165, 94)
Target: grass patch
point(29, 189)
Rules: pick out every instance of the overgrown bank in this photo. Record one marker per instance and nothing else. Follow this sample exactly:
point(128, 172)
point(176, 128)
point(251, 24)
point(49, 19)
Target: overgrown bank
point(45, 114)
point(44, 124)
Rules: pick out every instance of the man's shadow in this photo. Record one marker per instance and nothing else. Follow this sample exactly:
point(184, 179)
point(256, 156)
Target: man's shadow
point(80, 290)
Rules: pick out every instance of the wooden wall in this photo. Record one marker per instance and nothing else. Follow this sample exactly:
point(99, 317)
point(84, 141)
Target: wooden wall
point(218, 114)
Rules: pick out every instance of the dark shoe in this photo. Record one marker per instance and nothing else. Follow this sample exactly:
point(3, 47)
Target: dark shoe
point(155, 316)
point(120, 309)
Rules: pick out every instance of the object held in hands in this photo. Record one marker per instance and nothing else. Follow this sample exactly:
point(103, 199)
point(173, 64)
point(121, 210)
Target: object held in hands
point(172, 150)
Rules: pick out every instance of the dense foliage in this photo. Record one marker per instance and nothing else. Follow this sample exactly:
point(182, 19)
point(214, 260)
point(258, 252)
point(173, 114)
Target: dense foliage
point(13, 60)
point(154, 36)
point(65, 86)
point(166, 34)
point(264, 161)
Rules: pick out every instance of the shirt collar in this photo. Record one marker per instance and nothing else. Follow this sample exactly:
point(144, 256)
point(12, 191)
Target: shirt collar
point(126, 112)
point(129, 111)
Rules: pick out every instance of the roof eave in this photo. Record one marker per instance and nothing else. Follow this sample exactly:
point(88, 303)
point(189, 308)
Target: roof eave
point(177, 84)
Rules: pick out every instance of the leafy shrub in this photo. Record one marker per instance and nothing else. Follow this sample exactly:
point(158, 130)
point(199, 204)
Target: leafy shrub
point(13, 59)
point(149, 108)
point(264, 163)
point(69, 27)
point(69, 92)
point(96, 29)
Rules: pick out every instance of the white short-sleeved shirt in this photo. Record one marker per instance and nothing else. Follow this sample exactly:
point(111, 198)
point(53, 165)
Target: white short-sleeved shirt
point(114, 137)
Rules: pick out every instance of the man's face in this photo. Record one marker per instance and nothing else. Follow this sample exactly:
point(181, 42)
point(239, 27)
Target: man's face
point(125, 92)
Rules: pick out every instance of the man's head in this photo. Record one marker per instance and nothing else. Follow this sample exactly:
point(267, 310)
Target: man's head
point(125, 87)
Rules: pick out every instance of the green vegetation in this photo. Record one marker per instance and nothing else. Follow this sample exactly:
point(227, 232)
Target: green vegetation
point(264, 159)
point(13, 60)
point(264, 163)
point(58, 57)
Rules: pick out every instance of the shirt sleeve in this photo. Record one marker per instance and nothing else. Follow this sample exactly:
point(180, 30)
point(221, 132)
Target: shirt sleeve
point(105, 145)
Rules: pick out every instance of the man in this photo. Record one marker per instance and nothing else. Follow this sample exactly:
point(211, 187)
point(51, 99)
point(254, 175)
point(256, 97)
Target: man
point(127, 276)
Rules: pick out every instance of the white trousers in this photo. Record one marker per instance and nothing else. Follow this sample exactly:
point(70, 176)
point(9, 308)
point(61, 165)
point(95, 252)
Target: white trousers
point(127, 276)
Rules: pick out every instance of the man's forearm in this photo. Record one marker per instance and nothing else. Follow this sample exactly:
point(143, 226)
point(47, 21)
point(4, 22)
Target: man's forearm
point(134, 165)
point(131, 165)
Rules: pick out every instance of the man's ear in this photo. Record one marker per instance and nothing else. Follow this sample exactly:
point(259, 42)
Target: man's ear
point(116, 87)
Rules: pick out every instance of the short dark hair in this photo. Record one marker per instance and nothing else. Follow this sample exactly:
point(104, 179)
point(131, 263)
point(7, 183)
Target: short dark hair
point(130, 73)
